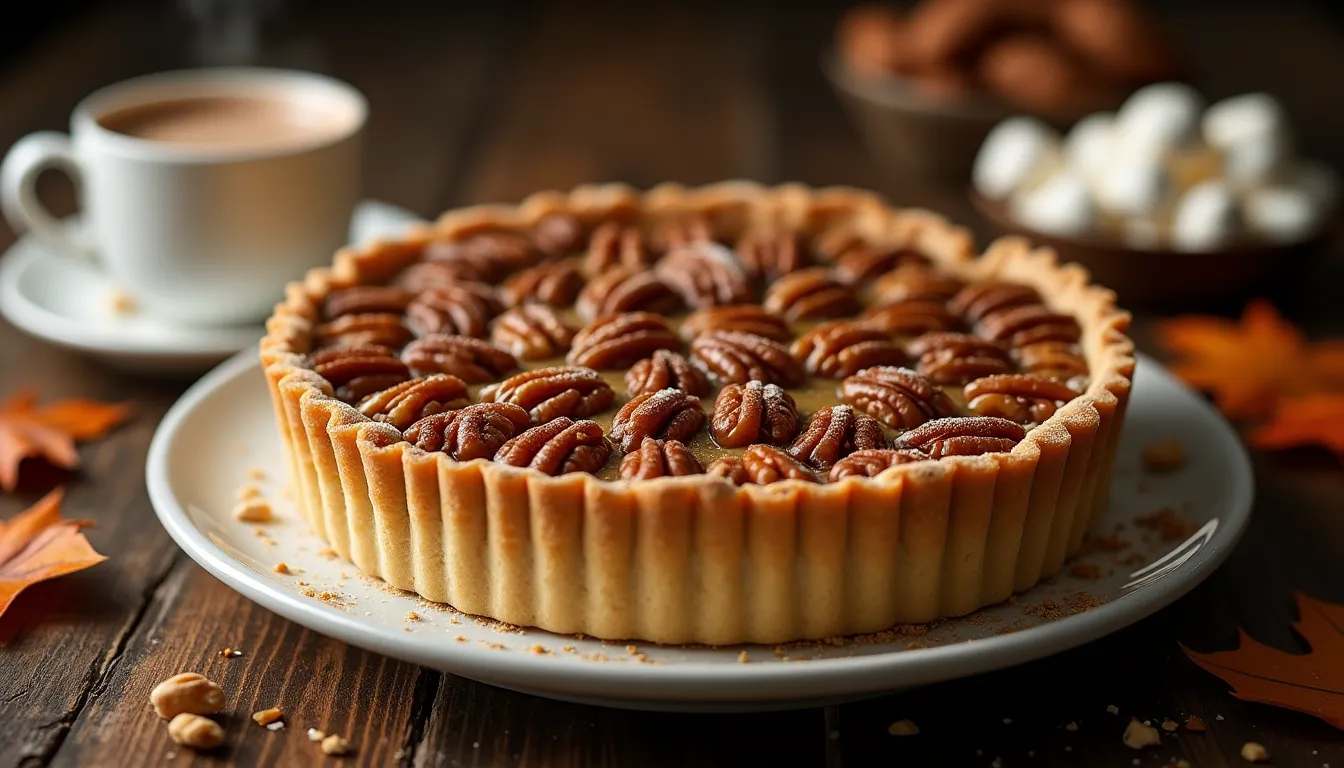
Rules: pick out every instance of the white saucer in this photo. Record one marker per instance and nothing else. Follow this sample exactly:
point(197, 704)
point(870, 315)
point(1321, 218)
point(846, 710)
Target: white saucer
point(223, 426)
point(72, 303)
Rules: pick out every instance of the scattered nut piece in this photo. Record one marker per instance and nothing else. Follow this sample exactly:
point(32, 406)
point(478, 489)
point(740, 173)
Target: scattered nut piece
point(1137, 735)
point(255, 510)
point(230, 653)
point(122, 303)
point(1196, 723)
point(248, 491)
point(1253, 752)
point(903, 728)
point(412, 616)
point(1072, 726)
point(743, 658)
point(335, 745)
point(328, 553)
point(282, 568)
point(1164, 456)
point(278, 725)
point(203, 733)
point(267, 716)
point(316, 735)
point(1114, 710)
point(1169, 726)
point(188, 692)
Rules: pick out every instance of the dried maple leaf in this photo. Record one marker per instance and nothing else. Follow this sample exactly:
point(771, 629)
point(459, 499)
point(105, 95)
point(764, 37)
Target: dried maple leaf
point(38, 545)
point(49, 432)
point(1247, 365)
point(1310, 420)
point(1307, 682)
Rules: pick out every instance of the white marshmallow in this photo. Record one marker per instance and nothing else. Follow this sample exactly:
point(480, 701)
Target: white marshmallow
point(1090, 144)
point(1133, 184)
point(1206, 218)
point(1251, 116)
point(1282, 214)
point(1160, 117)
point(1017, 153)
point(1061, 205)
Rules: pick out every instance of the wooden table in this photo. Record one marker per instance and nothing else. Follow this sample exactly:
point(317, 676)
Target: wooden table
point(490, 105)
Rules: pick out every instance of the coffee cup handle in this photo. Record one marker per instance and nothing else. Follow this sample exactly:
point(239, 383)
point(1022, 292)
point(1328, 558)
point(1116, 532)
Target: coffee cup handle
point(31, 155)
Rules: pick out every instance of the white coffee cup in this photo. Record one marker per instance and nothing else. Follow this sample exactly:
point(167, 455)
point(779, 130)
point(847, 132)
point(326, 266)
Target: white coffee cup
point(201, 231)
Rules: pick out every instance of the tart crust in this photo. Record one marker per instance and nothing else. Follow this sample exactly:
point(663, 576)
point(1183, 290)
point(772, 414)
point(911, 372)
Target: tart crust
point(695, 559)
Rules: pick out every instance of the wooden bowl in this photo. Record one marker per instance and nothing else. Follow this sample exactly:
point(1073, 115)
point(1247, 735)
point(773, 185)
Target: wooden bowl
point(910, 133)
point(1167, 278)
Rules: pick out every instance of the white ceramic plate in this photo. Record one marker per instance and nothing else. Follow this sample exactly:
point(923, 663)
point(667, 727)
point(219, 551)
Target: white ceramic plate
point(223, 427)
point(69, 301)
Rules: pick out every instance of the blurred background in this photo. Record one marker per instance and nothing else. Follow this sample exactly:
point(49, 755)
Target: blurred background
point(490, 101)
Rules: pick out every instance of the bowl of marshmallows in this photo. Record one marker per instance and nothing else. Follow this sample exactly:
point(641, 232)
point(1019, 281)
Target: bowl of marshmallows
point(1165, 199)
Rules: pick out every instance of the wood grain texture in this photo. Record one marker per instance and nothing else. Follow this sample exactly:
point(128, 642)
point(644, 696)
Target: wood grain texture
point(490, 103)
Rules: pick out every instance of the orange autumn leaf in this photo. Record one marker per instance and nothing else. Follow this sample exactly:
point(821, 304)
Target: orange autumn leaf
point(1310, 420)
point(50, 432)
point(38, 545)
point(1248, 364)
point(1310, 682)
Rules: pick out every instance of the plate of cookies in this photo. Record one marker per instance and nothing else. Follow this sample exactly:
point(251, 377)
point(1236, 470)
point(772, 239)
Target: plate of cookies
point(726, 447)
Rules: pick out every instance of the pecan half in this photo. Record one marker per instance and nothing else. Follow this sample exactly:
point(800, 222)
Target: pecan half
point(532, 332)
point(980, 300)
point(956, 358)
point(835, 432)
point(1017, 397)
point(748, 318)
point(682, 231)
point(492, 254)
point(554, 283)
point(365, 299)
point(408, 402)
point(1052, 359)
point(770, 255)
point(962, 436)
point(659, 458)
point(472, 360)
point(462, 309)
point(873, 463)
point(841, 348)
point(668, 414)
point(423, 275)
point(665, 370)
point(729, 468)
point(622, 289)
point(753, 413)
point(383, 329)
point(558, 447)
point(735, 357)
point(614, 244)
point(916, 282)
point(810, 294)
point(558, 234)
point(358, 371)
point(1030, 324)
point(474, 432)
point(548, 393)
point(861, 263)
point(765, 464)
point(618, 341)
point(910, 318)
point(704, 274)
point(897, 397)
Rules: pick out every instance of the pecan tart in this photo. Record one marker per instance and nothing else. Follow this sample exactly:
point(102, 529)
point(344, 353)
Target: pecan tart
point(720, 414)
